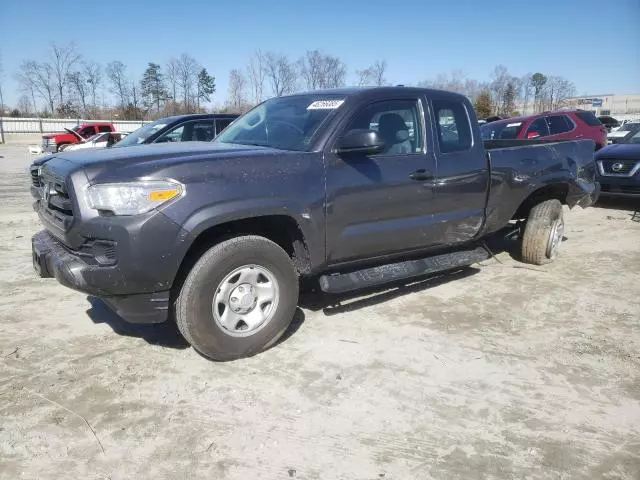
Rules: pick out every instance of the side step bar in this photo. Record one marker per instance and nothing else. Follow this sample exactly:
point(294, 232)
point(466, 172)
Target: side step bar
point(371, 277)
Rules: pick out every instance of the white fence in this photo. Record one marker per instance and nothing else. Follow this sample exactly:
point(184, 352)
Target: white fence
point(12, 125)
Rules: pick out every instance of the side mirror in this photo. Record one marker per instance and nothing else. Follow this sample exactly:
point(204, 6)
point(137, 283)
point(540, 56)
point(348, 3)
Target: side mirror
point(360, 140)
point(532, 135)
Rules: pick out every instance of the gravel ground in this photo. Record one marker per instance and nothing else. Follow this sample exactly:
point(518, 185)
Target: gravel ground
point(500, 371)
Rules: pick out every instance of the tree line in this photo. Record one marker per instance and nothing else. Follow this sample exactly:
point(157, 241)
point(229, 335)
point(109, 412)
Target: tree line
point(508, 95)
point(69, 85)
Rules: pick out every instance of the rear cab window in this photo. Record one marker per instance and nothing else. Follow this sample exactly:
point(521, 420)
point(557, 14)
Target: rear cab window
point(589, 118)
point(452, 125)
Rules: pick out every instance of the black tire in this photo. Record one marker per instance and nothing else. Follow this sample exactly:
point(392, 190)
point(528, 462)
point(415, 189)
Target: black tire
point(537, 233)
point(194, 312)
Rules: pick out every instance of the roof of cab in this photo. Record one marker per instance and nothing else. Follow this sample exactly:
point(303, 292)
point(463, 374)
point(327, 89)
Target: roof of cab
point(372, 91)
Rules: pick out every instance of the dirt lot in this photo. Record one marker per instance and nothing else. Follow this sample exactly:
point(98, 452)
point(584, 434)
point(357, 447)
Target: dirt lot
point(498, 372)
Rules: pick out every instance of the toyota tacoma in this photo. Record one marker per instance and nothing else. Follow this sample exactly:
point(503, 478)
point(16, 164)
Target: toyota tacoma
point(352, 187)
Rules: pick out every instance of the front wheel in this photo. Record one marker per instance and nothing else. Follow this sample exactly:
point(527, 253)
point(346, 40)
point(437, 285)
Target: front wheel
point(238, 298)
point(543, 233)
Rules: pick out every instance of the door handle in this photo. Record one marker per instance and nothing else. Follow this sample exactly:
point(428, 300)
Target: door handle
point(421, 175)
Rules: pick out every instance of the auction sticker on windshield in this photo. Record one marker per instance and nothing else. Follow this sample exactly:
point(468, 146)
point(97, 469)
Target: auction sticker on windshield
point(325, 104)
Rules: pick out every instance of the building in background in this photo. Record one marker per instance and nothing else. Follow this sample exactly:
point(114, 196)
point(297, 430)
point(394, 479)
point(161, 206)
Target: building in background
point(621, 107)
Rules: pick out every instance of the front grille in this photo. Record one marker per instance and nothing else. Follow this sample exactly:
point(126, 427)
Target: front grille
point(35, 177)
point(619, 167)
point(54, 198)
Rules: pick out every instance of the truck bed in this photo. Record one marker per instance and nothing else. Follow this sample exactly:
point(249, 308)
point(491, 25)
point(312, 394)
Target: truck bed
point(519, 168)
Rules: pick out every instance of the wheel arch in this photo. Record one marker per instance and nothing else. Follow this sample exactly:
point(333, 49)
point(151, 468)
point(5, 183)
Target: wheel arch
point(558, 191)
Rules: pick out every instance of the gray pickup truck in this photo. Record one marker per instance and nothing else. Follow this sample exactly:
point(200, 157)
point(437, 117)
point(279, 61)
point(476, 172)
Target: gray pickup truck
point(352, 187)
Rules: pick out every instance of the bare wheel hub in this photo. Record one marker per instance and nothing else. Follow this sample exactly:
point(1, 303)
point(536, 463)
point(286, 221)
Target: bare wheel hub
point(555, 238)
point(245, 300)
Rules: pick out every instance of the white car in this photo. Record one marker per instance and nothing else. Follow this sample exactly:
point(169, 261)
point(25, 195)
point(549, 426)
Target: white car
point(99, 140)
point(623, 123)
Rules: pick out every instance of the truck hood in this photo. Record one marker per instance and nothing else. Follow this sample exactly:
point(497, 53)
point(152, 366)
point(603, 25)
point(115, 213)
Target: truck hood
point(101, 164)
point(620, 151)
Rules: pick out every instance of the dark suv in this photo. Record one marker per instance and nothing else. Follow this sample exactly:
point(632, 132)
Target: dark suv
point(561, 125)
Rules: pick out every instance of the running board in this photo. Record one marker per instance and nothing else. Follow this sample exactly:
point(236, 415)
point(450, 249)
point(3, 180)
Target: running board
point(371, 277)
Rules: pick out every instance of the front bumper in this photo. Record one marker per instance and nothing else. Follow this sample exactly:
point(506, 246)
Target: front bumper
point(52, 259)
point(620, 186)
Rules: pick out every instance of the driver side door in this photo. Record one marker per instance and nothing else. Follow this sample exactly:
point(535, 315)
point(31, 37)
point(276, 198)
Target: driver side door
point(380, 204)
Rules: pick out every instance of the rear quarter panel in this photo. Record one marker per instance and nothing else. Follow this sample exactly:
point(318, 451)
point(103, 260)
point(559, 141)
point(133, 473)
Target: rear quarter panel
point(517, 171)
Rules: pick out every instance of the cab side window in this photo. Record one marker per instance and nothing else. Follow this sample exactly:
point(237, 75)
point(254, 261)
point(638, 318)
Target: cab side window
point(396, 121)
point(452, 124)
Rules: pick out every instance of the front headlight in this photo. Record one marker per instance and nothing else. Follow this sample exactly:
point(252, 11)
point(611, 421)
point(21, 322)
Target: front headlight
point(132, 198)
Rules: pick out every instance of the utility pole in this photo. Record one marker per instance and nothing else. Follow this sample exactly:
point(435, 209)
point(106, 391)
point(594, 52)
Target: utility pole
point(1, 113)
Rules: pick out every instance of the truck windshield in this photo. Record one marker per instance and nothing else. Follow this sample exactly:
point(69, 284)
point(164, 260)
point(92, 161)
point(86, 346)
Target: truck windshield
point(140, 135)
point(285, 123)
point(501, 130)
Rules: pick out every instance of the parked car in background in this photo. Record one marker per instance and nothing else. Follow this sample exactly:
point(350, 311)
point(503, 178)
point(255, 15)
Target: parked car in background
point(618, 168)
point(99, 140)
point(53, 142)
point(180, 128)
point(622, 133)
point(561, 125)
point(624, 122)
point(359, 187)
point(609, 122)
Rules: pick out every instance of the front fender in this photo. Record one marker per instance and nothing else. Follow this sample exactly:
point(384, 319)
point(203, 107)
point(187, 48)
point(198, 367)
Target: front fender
point(309, 221)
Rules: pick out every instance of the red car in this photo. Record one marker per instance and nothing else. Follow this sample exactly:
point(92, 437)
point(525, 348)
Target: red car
point(53, 142)
point(561, 125)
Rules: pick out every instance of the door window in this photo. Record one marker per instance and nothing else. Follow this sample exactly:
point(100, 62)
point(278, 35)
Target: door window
point(538, 128)
point(197, 130)
point(87, 132)
point(104, 128)
point(559, 124)
point(222, 123)
point(396, 121)
point(452, 123)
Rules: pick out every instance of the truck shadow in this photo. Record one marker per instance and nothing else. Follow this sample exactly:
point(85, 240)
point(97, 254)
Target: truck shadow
point(312, 298)
point(164, 334)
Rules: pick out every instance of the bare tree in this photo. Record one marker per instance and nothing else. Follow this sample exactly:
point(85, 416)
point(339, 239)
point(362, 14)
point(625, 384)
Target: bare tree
point(116, 73)
point(556, 91)
point(525, 92)
point(24, 105)
point(256, 72)
point(38, 78)
point(373, 74)
point(78, 83)
point(237, 89)
point(322, 71)
point(187, 78)
point(65, 57)
point(93, 76)
point(281, 73)
point(172, 78)
point(453, 81)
